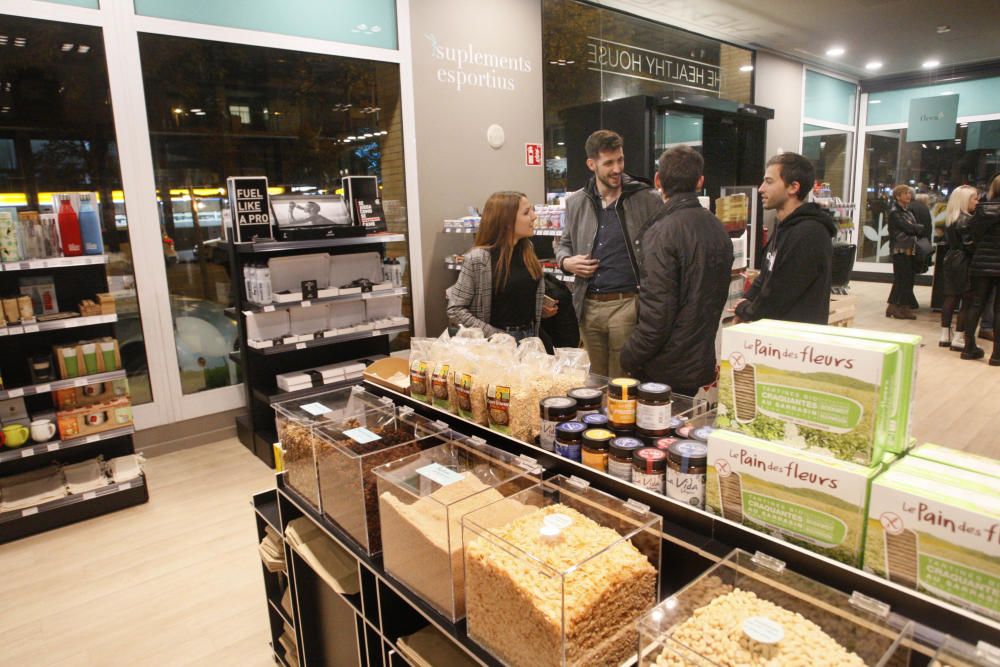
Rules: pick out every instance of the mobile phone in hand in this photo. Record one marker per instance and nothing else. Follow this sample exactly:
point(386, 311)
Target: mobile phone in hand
point(549, 301)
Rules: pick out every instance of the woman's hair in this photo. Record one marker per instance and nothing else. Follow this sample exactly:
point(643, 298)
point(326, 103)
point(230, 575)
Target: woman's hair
point(994, 192)
point(958, 203)
point(898, 191)
point(496, 231)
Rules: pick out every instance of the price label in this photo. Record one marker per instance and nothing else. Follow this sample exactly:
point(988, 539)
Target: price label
point(376, 332)
point(29, 511)
point(52, 447)
point(362, 435)
point(15, 393)
point(300, 346)
point(25, 453)
point(27, 265)
point(306, 304)
point(30, 328)
point(269, 309)
point(91, 438)
point(81, 382)
point(89, 495)
point(3, 331)
point(439, 474)
point(43, 388)
point(125, 487)
point(316, 409)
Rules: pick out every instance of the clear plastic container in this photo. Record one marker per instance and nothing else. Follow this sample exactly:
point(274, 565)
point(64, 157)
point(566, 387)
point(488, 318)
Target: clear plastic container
point(348, 452)
point(956, 653)
point(296, 421)
point(750, 609)
point(422, 500)
point(559, 574)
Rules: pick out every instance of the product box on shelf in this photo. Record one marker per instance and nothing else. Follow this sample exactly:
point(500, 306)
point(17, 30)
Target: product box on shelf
point(91, 394)
point(297, 419)
point(957, 459)
point(825, 393)
point(92, 419)
point(937, 534)
point(814, 501)
point(752, 610)
point(559, 573)
point(348, 452)
point(901, 390)
point(422, 499)
point(87, 358)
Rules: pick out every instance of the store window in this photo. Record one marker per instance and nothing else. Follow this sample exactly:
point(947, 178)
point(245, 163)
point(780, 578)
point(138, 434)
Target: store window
point(217, 110)
point(829, 113)
point(57, 135)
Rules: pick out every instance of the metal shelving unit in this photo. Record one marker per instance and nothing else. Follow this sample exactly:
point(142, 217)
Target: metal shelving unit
point(54, 263)
point(57, 325)
point(331, 340)
point(46, 387)
point(363, 296)
point(29, 451)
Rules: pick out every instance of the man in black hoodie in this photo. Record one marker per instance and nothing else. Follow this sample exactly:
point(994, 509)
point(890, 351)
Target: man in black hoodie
point(794, 282)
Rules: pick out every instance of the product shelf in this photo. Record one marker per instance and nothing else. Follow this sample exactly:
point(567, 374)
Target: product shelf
point(566, 278)
point(262, 247)
point(54, 263)
point(265, 504)
point(57, 325)
point(47, 387)
point(320, 342)
point(363, 296)
point(28, 451)
point(450, 229)
point(303, 393)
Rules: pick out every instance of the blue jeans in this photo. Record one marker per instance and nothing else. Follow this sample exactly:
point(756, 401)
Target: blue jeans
point(519, 333)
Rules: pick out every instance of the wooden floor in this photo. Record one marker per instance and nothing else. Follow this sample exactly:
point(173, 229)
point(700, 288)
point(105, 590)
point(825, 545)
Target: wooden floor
point(178, 581)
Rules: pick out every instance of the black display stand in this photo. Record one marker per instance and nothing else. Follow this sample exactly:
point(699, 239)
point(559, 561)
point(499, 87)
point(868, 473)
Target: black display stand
point(75, 279)
point(259, 367)
point(693, 541)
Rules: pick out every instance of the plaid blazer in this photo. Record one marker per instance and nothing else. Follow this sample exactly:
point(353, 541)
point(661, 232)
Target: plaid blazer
point(470, 298)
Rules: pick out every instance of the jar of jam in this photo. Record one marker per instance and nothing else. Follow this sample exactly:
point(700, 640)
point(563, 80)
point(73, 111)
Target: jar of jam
point(569, 437)
point(649, 468)
point(589, 400)
point(687, 463)
point(653, 410)
point(620, 457)
point(701, 433)
point(596, 420)
point(663, 443)
point(555, 410)
point(595, 448)
point(622, 395)
point(622, 432)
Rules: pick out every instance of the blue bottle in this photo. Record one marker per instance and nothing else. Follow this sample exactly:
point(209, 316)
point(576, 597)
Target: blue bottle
point(90, 228)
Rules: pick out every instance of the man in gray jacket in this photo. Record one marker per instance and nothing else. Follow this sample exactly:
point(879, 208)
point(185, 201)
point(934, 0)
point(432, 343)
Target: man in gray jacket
point(599, 246)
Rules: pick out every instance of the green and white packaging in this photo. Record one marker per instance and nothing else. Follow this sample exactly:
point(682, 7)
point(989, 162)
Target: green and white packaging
point(936, 535)
point(807, 499)
point(829, 394)
point(957, 459)
point(959, 477)
point(902, 390)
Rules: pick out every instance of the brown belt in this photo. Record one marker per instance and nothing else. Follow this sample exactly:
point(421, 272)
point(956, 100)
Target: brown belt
point(609, 296)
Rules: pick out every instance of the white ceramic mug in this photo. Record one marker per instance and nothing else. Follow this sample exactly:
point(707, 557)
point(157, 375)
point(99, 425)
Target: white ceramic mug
point(42, 430)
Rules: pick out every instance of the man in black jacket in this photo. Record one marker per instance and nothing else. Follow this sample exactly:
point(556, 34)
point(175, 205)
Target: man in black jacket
point(684, 282)
point(794, 282)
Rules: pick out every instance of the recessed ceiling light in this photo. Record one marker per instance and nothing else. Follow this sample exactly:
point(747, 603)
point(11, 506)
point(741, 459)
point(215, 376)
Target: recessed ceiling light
point(942, 29)
point(931, 64)
point(66, 47)
point(746, 68)
point(873, 65)
point(835, 51)
point(195, 110)
point(560, 143)
point(83, 48)
point(874, 101)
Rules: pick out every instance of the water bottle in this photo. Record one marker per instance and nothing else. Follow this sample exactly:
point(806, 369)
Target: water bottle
point(90, 228)
point(69, 229)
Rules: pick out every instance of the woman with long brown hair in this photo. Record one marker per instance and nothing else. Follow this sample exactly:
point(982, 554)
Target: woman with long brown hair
point(500, 286)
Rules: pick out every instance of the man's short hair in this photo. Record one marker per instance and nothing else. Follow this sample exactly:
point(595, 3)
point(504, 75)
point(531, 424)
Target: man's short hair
point(680, 169)
point(602, 141)
point(795, 168)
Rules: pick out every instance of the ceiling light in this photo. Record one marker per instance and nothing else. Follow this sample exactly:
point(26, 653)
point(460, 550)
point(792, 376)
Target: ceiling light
point(195, 110)
point(560, 143)
point(66, 47)
point(938, 147)
point(874, 101)
point(942, 29)
point(874, 65)
point(3, 40)
point(746, 68)
point(835, 51)
point(947, 92)
point(20, 41)
point(931, 64)
point(178, 110)
point(924, 145)
point(83, 48)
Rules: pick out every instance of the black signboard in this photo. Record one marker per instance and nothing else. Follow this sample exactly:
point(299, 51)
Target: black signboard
point(250, 208)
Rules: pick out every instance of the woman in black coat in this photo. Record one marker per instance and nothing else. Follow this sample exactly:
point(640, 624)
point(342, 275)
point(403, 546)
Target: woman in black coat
point(984, 271)
point(903, 233)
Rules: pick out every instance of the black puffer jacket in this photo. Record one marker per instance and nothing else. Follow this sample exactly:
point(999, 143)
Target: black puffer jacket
point(684, 282)
point(985, 226)
point(794, 282)
point(903, 228)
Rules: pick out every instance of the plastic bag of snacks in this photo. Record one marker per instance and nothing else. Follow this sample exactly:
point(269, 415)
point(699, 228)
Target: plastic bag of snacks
point(419, 360)
point(489, 362)
point(572, 367)
point(537, 368)
point(438, 368)
point(462, 344)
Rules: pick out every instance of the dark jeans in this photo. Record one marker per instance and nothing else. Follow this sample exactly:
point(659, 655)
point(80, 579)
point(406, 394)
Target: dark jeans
point(519, 332)
point(902, 281)
point(982, 286)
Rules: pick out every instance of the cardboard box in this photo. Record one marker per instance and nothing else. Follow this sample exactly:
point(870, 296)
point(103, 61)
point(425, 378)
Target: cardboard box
point(92, 394)
point(94, 418)
point(810, 500)
point(829, 394)
point(937, 536)
point(902, 389)
point(957, 459)
point(380, 371)
point(75, 365)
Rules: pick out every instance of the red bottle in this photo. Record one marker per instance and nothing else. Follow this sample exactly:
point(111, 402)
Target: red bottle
point(69, 229)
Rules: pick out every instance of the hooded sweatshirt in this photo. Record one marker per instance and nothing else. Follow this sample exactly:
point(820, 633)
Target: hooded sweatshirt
point(794, 282)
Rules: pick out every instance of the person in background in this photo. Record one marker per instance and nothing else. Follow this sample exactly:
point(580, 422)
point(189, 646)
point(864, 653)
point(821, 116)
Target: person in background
point(794, 281)
point(922, 214)
point(500, 287)
point(955, 269)
point(903, 234)
point(684, 282)
point(984, 271)
point(599, 247)
point(986, 324)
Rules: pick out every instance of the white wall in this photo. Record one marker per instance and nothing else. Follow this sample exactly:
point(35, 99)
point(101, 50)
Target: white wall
point(779, 87)
point(456, 167)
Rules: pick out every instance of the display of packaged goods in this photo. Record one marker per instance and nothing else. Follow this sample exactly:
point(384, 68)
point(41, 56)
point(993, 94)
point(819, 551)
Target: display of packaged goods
point(422, 499)
point(814, 501)
point(296, 419)
point(935, 534)
point(75, 397)
point(967, 479)
point(957, 458)
point(559, 573)
point(346, 454)
point(92, 419)
point(752, 610)
point(901, 390)
point(825, 393)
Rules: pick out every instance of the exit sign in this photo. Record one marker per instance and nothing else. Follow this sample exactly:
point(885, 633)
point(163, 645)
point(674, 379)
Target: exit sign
point(533, 155)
